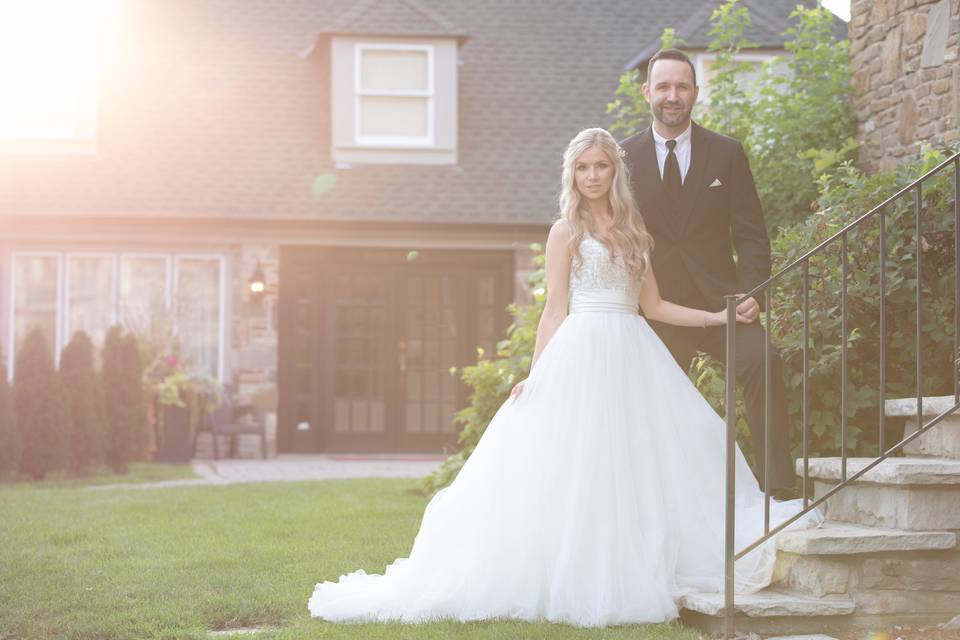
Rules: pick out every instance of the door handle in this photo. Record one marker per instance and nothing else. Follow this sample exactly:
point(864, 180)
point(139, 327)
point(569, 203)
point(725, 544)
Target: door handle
point(402, 356)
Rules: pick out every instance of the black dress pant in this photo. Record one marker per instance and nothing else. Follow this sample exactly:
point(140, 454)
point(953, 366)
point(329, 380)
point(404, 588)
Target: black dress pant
point(684, 342)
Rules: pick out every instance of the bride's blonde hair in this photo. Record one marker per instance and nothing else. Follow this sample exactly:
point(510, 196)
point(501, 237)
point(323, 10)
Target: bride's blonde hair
point(627, 235)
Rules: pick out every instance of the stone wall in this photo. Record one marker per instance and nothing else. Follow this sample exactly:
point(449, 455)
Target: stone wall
point(906, 77)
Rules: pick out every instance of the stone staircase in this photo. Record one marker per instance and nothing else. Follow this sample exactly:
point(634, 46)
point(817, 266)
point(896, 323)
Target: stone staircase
point(887, 553)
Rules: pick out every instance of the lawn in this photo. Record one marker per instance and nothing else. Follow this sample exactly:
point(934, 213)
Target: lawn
point(182, 562)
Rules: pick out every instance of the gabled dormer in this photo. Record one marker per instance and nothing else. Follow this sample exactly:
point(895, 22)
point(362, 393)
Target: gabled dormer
point(393, 84)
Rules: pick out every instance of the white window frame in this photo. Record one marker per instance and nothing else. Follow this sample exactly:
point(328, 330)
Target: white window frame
point(167, 274)
point(58, 322)
point(170, 259)
point(701, 59)
point(359, 93)
point(115, 269)
point(221, 313)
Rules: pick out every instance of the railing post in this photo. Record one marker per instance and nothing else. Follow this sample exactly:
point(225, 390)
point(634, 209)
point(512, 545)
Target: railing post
point(956, 277)
point(806, 374)
point(883, 332)
point(843, 357)
point(919, 209)
point(766, 413)
point(730, 483)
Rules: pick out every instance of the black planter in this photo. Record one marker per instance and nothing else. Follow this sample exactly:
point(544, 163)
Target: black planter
point(177, 445)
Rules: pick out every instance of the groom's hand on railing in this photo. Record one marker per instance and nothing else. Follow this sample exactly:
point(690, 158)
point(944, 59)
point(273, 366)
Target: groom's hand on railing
point(749, 309)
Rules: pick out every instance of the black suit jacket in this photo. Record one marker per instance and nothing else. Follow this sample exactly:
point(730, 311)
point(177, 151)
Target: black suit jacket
point(695, 240)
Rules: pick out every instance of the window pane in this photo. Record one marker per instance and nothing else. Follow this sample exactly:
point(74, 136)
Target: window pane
point(393, 117)
point(386, 70)
point(90, 281)
point(143, 294)
point(198, 313)
point(35, 297)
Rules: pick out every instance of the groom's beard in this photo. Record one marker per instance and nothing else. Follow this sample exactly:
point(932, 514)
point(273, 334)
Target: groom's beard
point(673, 117)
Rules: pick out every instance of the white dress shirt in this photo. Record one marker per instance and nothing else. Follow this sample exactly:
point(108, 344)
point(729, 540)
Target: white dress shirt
point(682, 150)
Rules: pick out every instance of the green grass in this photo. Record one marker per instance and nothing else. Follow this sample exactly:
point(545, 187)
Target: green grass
point(180, 562)
point(138, 473)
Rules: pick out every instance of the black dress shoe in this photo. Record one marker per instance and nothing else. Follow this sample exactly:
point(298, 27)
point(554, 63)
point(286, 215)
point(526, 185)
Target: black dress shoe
point(785, 493)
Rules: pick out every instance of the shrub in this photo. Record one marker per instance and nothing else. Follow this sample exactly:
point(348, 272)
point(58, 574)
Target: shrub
point(84, 394)
point(844, 196)
point(122, 374)
point(11, 447)
point(42, 417)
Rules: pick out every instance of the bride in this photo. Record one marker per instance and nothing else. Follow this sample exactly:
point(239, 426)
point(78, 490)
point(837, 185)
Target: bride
point(595, 496)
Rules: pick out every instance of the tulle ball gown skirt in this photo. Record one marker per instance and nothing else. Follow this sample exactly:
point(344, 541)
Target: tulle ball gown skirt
point(594, 499)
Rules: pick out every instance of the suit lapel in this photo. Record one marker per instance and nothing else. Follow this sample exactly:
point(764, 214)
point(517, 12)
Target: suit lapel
point(694, 183)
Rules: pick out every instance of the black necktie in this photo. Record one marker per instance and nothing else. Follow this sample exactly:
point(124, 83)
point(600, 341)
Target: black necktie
point(671, 173)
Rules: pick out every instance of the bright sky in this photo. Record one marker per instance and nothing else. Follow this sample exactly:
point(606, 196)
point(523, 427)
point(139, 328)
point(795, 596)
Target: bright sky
point(49, 57)
point(838, 7)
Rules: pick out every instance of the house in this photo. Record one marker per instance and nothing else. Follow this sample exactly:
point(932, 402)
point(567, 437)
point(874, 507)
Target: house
point(379, 168)
point(906, 78)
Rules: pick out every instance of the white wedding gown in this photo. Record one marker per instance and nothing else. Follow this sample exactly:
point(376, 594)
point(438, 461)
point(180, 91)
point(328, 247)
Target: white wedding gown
point(596, 498)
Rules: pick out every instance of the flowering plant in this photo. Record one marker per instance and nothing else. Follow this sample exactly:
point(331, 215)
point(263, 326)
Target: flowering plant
point(171, 379)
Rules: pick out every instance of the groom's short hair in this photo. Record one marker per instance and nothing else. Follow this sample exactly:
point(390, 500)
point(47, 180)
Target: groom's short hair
point(672, 54)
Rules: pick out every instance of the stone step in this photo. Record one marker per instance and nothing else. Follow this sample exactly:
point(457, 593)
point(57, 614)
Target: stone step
point(896, 471)
point(768, 612)
point(915, 494)
point(770, 603)
point(835, 538)
point(941, 440)
point(836, 558)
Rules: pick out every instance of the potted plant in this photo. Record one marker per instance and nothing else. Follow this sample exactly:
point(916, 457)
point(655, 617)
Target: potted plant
point(180, 396)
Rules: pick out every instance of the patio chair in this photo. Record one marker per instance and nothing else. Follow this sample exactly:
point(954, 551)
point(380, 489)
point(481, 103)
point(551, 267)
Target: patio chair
point(234, 420)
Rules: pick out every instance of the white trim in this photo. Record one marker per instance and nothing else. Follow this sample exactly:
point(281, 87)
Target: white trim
point(11, 358)
point(62, 310)
point(359, 93)
point(66, 297)
point(221, 310)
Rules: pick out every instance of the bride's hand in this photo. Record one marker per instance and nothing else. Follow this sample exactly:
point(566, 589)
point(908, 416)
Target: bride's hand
point(719, 318)
point(517, 389)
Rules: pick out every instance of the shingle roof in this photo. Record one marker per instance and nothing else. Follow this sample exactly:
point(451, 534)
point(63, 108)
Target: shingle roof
point(769, 19)
point(394, 17)
point(207, 110)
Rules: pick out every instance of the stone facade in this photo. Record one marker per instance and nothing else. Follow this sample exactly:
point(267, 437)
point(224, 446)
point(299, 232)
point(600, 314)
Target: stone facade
point(906, 77)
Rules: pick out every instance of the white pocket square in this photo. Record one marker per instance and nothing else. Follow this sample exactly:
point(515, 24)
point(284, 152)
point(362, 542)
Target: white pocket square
point(716, 183)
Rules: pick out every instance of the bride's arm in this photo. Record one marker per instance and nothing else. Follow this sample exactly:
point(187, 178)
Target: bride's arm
point(558, 286)
point(656, 308)
point(558, 282)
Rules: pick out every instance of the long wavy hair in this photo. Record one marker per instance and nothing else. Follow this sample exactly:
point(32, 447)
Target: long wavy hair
point(627, 235)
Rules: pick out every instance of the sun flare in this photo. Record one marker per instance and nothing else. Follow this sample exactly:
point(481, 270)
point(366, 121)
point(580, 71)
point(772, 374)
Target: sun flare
point(50, 53)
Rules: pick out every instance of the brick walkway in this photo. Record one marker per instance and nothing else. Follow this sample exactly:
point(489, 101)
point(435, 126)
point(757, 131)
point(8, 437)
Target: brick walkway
point(288, 467)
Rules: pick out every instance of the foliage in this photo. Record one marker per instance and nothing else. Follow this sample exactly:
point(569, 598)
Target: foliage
point(122, 376)
point(42, 416)
point(629, 108)
point(11, 448)
point(84, 394)
point(492, 378)
point(845, 195)
point(795, 121)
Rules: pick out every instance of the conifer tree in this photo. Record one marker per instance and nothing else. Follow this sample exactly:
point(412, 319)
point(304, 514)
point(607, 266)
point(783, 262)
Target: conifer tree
point(85, 397)
point(41, 413)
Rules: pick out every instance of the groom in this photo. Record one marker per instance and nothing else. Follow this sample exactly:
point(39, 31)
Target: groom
point(697, 196)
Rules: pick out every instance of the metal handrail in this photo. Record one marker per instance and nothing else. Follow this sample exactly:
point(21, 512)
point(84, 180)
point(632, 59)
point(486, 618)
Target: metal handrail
point(731, 555)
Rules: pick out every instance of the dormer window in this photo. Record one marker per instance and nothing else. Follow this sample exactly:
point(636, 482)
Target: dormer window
point(394, 89)
point(394, 100)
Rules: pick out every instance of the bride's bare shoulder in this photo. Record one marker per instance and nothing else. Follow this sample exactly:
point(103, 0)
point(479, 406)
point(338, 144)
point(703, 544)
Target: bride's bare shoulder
point(560, 231)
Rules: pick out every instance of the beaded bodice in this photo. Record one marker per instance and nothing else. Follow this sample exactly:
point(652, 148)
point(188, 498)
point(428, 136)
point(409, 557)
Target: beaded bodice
point(595, 274)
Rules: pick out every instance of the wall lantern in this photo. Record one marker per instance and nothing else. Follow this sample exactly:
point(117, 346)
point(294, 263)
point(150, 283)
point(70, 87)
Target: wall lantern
point(258, 284)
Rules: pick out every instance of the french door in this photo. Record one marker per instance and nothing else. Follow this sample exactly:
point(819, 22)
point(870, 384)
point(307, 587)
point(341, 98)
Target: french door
point(371, 344)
